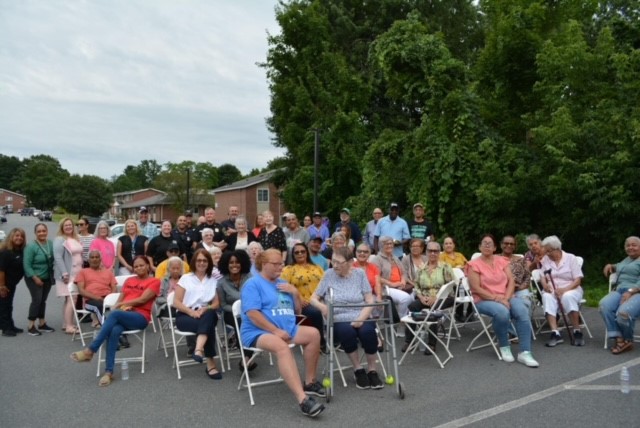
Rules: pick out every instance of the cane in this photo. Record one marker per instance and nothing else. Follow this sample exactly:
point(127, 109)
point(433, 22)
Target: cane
point(547, 274)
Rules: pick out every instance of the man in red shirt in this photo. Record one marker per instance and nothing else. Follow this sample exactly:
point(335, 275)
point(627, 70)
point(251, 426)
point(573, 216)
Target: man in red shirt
point(95, 283)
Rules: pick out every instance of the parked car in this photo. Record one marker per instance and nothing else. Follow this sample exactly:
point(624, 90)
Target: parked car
point(45, 216)
point(27, 211)
point(36, 213)
point(3, 218)
point(2, 235)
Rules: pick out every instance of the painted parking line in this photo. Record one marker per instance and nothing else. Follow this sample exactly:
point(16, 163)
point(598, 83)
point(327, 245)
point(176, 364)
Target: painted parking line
point(599, 387)
point(506, 407)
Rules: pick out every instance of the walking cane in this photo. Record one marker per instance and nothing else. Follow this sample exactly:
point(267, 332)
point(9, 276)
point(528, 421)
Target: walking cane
point(547, 274)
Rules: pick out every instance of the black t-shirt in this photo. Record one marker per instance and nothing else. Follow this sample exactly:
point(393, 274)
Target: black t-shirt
point(158, 247)
point(421, 229)
point(129, 249)
point(186, 240)
point(11, 265)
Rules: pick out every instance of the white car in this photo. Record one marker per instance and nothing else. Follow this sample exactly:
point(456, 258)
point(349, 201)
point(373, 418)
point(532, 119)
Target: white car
point(3, 235)
point(36, 213)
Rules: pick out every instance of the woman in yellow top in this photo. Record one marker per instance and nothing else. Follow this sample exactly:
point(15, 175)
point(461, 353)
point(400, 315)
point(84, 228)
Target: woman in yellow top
point(450, 256)
point(305, 276)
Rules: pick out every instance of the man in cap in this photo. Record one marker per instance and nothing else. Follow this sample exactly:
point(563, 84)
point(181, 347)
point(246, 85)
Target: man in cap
point(345, 220)
point(318, 229)
point(314, 252)
point(394, 226)
point(148, 229)
point(420, 227)
point(370, 230)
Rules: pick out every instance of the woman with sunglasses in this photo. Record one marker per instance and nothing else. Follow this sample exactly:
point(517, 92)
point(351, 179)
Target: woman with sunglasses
point(85, 238)
point(305, 276)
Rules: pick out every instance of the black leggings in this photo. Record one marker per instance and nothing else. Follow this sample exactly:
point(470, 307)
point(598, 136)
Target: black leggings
point(38, 298)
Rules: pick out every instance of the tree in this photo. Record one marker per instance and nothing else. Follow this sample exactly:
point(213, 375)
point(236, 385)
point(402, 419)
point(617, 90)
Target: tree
point(86, 195)
point(173, 180)
point(227, 174)
point(136, 177)
point(42, 180)
point(10, 169)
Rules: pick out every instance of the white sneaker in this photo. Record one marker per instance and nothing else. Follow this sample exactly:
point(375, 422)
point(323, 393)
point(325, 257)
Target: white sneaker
point(506, 354)
point(526, 358)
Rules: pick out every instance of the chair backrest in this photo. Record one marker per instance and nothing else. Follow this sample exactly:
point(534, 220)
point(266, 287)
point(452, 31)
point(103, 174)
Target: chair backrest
point(613, 278)
point(458, 273)
point(580, 261)
point(445, 291)
point(170, 298)
point(73, 289)
point(236, 308)
point(475, 256)
point(120, 279)
point(536, 277)
point(110, 300)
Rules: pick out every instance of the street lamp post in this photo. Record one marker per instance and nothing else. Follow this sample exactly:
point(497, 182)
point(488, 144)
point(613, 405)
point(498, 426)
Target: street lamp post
point(188, 187)
point(316, 150)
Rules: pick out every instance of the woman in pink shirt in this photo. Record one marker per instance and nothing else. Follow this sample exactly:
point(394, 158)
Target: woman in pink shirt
point(492, 286)
point(104, 245)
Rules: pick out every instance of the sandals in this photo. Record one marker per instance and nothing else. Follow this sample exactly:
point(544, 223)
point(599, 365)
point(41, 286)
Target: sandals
point(216, 375)
point(81, 356)
point(251, 366)
point(621, 346)
point(105, 380)
point(72, 330)
point(198, 355)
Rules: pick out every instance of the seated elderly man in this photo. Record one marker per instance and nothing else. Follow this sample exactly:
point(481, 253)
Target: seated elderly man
point(161, 270)
point(566, 274)
point(95, 283)
point(621, 307)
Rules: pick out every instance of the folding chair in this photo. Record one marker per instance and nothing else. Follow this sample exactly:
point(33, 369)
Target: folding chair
point(120, 279)
point(109, 301)
point(177, 362)
point(237, 311)
point(418, 328)
point(78, 314)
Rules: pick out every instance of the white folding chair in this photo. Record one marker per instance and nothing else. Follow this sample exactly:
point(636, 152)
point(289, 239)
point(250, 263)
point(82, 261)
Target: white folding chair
point(78, 314)
point(177, 362)
point(418, 328)
point(237, 312)
point(109, 301)
point(120, 279)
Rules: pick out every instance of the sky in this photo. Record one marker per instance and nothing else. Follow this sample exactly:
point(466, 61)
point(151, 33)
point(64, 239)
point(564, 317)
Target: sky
point(100, 84)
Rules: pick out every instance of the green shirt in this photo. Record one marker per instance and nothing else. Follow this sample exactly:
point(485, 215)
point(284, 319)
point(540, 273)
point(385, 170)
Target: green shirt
point(428, 283)
point(38, 260)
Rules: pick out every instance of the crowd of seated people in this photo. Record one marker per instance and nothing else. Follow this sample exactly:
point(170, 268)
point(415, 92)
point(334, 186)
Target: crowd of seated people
point(212, 266)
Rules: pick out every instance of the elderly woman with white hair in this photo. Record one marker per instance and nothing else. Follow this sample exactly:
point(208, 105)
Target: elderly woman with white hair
point(621, 307)
point(103, 244)
point(566, 273)
point(393, 276)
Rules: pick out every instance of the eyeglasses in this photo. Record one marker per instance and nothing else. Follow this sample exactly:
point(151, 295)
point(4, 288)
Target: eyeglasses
point(433, 251)
point(338, 263)
point(509, 243)
point(277, 264)
point(297, 253)
point(363, 251)
point(487, 244)
point(202, 261)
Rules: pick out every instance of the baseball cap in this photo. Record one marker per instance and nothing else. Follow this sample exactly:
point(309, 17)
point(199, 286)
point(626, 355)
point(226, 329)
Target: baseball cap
point(188, 213)
point(316, 238)
point(417, 204)
point(317, 214)
point(173, 247)
point(143, 210)
point(346, 210)
point(393, 205)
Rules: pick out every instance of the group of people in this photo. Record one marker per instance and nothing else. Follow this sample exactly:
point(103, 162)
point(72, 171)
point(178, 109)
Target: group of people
point(279, 273)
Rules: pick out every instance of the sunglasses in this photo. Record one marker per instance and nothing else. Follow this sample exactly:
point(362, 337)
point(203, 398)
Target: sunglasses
point(433, 251)
point(81, 224)
point(299, 252)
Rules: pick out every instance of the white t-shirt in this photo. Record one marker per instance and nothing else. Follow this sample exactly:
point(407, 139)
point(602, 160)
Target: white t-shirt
point(197, 293)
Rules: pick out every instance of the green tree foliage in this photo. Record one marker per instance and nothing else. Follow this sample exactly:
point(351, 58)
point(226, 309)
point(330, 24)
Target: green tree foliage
point(173, 180)
point(10, 169)
point(503, 116)
point(41, 181)
point(227, 174)
point(141, 176)
point(85, 195)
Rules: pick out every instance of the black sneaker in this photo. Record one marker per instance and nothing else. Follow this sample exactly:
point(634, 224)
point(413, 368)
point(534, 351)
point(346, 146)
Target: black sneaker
point(33, 331)
point(17, 330)
point(374, 380)
point(124, 342)
point(362, 380)
point(554, 340)
point(45, 328)
point(578, 339)
point(311, 407)
point(9, 333)
point(315, 388)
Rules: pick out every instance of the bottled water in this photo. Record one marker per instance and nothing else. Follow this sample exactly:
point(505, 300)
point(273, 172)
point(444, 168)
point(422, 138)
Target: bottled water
point(125, 370)
point(624, 380)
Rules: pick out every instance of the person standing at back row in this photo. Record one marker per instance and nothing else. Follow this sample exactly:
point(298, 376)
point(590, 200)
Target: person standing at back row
point(395, 227)
point(420, 227)
point(210, 222)
point(345, 219)
point(147, 228)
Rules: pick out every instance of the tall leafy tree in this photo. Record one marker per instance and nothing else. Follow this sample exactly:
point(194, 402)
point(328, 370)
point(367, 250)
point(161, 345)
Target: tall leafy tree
point(42, 180)
point(10, 169)
point(227, 174)
point(85, 195)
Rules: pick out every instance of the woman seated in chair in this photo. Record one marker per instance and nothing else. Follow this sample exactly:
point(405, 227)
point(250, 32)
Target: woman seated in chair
point(567, 276)
point(346, 285)
point(132, 311)
point(269, 308)
point(492, 286)
point(392, 275)
point(196, 302)
point(235, 267)
point(621, 307)
point(429, 278)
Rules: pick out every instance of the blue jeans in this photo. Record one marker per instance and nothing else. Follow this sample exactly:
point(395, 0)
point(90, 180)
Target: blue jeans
point(117, 322)
point(501, 320)
point(619, 319)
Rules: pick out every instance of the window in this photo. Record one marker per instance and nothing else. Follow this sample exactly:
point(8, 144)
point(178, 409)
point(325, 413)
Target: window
point(263, 195)
point(9, 199)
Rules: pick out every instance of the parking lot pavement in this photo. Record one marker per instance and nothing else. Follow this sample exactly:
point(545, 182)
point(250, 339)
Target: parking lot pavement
point(40, 385)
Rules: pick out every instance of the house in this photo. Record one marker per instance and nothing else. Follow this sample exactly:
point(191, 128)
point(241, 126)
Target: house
point(252, 196)
point(12, 201)
point(160, 204)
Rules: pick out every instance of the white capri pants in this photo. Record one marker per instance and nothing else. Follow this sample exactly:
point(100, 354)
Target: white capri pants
point(570, 301)
point(402, 299)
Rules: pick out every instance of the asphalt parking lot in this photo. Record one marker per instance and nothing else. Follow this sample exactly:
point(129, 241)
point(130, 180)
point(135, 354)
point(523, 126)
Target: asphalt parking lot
point(41, 386)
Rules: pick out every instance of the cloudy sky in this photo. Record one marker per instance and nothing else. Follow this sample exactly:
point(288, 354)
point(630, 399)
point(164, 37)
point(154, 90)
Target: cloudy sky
point(105, 84)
